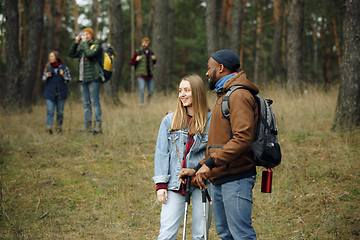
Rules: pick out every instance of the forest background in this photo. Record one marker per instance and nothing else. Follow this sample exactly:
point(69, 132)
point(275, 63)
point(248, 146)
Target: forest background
point(303, 54)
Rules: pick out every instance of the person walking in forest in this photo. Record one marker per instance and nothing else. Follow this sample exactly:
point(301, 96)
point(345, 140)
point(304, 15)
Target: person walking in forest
point(229, 160)
point(144, 60)
point(56, 76)
point(182, 143)
point(89, 50)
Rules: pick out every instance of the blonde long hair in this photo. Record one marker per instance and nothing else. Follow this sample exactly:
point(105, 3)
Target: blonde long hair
point(197, 123)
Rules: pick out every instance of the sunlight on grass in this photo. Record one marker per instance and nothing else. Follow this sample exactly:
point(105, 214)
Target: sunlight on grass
point(82, 186)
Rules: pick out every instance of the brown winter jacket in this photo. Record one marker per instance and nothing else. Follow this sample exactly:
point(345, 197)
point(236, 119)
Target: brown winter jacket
point(231, 159)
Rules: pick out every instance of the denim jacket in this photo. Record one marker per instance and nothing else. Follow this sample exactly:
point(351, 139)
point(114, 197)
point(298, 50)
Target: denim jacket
point(167, 164)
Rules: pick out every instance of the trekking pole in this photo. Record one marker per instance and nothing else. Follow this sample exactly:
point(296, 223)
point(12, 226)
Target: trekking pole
point(187, 202)
point(205, 195)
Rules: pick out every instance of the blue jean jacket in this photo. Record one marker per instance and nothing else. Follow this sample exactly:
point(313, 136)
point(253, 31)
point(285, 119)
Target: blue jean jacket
point(167, 164)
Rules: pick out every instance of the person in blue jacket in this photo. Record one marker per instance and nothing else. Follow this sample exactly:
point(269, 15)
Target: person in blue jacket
point(56, 76)
point(181, 143)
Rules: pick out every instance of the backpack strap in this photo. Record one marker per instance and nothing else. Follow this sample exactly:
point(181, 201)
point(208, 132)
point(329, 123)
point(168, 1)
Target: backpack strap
point(225, 106)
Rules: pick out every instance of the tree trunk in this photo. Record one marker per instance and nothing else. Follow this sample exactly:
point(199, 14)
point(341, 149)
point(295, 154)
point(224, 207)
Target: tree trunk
point(315, 32)
point(223, 36)
point(337, 42)
point(329, 62)
point(258, 44)
point(36, 24)
point(58, 13)
point(159, 41)
point(347, 114)
point(117, 36)
point(150, 21)
point(170, 48)
point(76, 25)
point(11, 96)
point(139, 23)
point(276, 63)
point(94, 16)
point(132, 15)
point(236, 22)
point(323, 51)
point(211, 27)
point(242, 35)
point(295, 24)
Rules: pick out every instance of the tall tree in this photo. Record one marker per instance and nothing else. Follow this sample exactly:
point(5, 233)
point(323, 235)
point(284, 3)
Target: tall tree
point(117, 36)
point(258, 42)
point(347, 114)
point(236, 22)
point(170, 46)
point(159, 41)
point(295, 26)
point(20, 78)
point(139, 23)
point(276, 63)
point(150, 21)
point(94, 16)
point(211, 27)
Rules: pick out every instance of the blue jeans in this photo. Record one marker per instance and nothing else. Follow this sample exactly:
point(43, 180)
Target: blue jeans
point(232, 204)
point(90, 96)
point(173, 211)
point(50, 106)
point(150, 87)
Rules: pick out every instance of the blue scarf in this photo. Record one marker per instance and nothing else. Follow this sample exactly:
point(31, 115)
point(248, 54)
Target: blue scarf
point(220, 84)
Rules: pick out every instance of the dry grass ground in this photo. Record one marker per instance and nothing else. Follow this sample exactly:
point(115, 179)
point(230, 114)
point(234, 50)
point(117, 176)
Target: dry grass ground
point(81, 186)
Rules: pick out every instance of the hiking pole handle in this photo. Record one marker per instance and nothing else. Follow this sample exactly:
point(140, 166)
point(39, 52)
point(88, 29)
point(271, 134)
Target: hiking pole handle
point(205, 195)
point(187, 189)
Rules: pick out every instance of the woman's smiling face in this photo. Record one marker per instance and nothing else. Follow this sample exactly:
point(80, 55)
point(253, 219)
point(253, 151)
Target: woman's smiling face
point(185, 93)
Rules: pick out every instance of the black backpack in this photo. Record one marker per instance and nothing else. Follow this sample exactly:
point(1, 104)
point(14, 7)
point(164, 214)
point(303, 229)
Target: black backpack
point(266, 148)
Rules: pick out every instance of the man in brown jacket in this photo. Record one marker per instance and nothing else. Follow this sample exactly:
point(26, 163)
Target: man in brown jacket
point(228, 163)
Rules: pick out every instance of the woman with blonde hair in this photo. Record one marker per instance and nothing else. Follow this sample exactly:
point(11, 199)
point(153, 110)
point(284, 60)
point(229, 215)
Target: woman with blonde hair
point(56, 76)
point(181, 143)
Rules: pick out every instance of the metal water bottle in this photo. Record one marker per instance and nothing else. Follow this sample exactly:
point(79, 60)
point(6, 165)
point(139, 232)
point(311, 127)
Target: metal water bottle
point(266, 181)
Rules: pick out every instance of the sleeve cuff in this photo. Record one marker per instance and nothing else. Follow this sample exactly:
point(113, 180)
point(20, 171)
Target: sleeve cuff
point(197, 167)
point(210, 163)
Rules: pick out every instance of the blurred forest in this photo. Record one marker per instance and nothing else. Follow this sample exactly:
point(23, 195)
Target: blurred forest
point(297, 44)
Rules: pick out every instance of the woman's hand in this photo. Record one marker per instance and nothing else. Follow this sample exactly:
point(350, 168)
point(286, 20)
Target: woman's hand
point(162, 195)
point(48, 74)
point(62, 72)
point(184, 173)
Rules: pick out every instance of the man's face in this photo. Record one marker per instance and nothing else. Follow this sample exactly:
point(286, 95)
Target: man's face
point(211, 73)
point(88, 36)
point(145, 44)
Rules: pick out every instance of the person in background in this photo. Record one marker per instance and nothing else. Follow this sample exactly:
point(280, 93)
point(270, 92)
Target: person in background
point(89, 50)
point(56, 75)
point(144, 60)
point(182, 143)
point(229, 160)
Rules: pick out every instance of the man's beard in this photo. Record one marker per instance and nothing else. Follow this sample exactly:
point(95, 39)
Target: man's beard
point(212, 81)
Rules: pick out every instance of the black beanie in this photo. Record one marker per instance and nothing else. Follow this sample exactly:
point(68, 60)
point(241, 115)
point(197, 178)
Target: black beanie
point(227, 58)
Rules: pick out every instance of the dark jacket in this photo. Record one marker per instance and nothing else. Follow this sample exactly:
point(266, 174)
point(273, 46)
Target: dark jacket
point(56, 84)
point(92, 57)
point(231, 159)
point(146, 62)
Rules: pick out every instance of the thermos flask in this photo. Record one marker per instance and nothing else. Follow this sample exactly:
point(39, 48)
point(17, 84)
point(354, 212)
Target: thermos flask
point(266, 181)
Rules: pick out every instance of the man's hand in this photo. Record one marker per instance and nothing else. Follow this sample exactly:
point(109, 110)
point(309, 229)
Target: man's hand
point(78, 38)
point(202, 174)
point(153, 57)
point(83, 38)
point(184, 173)
point(162, 195)
point(138, 58)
